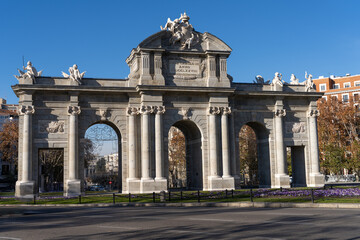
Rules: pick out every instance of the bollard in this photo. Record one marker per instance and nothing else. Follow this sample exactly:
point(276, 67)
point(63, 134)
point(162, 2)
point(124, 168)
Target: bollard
point(181, 196)
point(232, 193)
point(153, 197)
point(331, 186)
point(34, 199)
point(129, 197)
point(324, 187)
point(312, 196)
point(251, 195)
point(113, 198)
point(226, 192)
point(79, 199)
point(169, 196)
point(280, 189)
point(198, 196)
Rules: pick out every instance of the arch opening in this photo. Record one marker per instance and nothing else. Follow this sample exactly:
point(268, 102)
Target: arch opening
point(100, 155)
point(185, 156)
point(254, 155)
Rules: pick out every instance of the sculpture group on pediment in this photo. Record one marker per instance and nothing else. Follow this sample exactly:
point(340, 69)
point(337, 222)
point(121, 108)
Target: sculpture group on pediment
point(182, 31)
point(31, 72)
point(75, 74)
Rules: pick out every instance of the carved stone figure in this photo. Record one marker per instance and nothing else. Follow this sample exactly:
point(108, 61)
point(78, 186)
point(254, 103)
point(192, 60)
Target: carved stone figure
point(259, 79)
point(31, 72)
point(294, 80)
point(103, 114)
point(185, 113)
point(182, 31)
point(309, 84)
point(277, 80)
point(75, 74)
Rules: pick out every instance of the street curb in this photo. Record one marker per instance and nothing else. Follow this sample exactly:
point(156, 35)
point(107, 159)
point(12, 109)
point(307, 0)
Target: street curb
point(203, 204)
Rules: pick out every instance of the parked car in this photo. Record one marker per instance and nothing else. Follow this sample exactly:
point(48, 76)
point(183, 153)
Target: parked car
point(96, 188)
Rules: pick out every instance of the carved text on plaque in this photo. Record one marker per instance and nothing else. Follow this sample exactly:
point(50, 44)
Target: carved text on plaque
point(184, 67)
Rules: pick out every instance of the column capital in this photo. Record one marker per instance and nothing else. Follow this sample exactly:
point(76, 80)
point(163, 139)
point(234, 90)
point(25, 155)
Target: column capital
point(160, 110)
point(313, 113)
point(132, 111)
point(280, 113)
point(226, 110)
point(74, 110)
point(146, 110)
point(26, 109)
point(214, 110)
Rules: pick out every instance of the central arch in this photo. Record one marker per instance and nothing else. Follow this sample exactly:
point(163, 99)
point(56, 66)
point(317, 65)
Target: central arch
point(112, 162)
point(193, 153)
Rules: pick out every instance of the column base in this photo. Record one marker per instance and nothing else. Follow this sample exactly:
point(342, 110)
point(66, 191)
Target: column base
point(73, 188)
point(219, 183)
point(316, 180)
point(153, 185)
point(282, 180)
point(132, 185)
point(25, 189)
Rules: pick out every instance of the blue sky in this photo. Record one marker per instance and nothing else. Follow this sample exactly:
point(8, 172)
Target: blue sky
point(322, 37)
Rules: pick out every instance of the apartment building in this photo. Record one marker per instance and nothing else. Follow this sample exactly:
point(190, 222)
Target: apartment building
point(343, 88)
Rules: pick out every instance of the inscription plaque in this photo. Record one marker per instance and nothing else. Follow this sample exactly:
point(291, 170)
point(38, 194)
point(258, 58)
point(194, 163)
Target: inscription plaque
point(184, 67)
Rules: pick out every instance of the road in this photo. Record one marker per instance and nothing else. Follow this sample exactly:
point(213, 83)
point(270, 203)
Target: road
point(179, 223)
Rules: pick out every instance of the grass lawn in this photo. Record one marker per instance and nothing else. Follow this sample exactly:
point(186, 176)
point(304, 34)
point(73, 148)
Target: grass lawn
point(188, 196)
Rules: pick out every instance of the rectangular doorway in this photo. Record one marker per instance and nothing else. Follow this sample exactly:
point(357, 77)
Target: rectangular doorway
point(297, 154)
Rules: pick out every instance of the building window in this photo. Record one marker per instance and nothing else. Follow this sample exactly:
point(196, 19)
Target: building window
point(324, 97)
point(345, 97)
point(356, 97)
point(347, 85)
point(357, 84)
point(336, 86)
point(322, 87)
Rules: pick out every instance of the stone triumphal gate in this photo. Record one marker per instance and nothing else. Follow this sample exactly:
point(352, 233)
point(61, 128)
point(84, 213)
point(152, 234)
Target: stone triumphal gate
point(178, 77)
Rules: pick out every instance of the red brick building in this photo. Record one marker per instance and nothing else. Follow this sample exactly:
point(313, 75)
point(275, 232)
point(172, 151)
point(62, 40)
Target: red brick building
point(343, 88)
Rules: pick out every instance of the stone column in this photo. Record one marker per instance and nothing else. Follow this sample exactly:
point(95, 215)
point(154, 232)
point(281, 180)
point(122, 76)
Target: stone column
point(281, 178)
point(213, 159)
point(159, 142)
point(73, 183)
point(132, 113)
point(26, 187)
point(27, 111)
point(145, 143)
point(225, 142)
point(316, 178)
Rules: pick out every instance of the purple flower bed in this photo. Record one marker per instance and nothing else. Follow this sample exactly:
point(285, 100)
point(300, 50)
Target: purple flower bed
point(338, 192)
